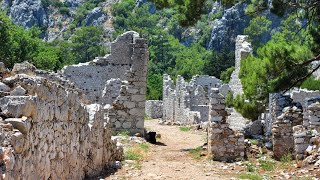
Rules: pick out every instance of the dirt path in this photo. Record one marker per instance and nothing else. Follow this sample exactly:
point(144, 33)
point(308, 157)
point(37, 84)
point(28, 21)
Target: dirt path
point(170, 159)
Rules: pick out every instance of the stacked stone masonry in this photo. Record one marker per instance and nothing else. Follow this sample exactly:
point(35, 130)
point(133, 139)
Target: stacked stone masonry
point(282, 131)
point(242, 51)
point(117, 81)
point(154, 109)
point(224, 143)
point(187, 103)
point(48, 131)
point(295, 122)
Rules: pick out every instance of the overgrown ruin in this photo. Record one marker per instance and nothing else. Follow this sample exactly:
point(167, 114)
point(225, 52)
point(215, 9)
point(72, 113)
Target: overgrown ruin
point(59, 125)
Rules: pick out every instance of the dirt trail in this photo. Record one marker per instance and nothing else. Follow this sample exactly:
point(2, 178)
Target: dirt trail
point(170, 159)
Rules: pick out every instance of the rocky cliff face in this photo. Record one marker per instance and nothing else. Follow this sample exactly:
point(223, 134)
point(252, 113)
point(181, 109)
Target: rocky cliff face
point(232, 23)
point(26, 13)
point(29, 13)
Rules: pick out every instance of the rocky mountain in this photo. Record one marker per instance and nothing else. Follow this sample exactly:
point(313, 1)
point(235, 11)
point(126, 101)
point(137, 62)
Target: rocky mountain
point(56, 18)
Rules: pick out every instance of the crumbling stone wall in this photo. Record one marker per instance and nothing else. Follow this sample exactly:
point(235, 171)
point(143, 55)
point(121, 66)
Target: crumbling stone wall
point(282, 131)
point(187, 103)
point(117, 80)
point(242, 51)
point(300, 96)
point(277, 102)
point(154, 109)
point(224, 143)
point(50, 132)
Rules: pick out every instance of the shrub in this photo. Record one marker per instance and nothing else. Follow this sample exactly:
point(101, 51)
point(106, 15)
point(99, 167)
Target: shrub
point(311, 83)
point(250, 176)
point(64, 11)
point(247, 109)
point(267, 165)
point(185, 129)
point(226, 75)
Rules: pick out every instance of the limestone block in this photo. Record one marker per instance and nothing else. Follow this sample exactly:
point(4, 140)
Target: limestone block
point(20, 124)
point(18, 91)
point(18, 142)
point(127, 125)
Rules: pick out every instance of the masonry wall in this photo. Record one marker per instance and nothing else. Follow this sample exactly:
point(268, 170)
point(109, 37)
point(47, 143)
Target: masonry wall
point(242, 51)
point(282, 131)
point(300, 96)
point(50, 132)
point(187, 102)
point(224, 143)
point(154, 109)
point(117, 80)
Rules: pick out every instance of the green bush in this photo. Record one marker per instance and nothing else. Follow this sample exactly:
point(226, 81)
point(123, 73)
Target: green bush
point(184, 129)
point(229, 99)
point(311, 83)
point(64, 10)
point(248, 109)
point(226, 75)
point(250, 176)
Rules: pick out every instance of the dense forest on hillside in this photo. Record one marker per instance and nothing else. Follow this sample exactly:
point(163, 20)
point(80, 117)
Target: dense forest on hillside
point(275, 66)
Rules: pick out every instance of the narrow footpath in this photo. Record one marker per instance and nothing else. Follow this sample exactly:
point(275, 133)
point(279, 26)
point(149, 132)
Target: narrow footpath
point(171, 158)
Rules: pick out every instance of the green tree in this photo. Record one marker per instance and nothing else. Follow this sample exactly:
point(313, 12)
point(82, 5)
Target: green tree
point(258, 26)
point(87, 43)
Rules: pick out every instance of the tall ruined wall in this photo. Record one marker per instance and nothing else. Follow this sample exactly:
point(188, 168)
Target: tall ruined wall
point(242, 51)
point(169, 99)
point(187, 102)
point(50, 133)
point(282, 131)
point(277, 103)
point(224, 143)
point(154, 109)
point(125, 70)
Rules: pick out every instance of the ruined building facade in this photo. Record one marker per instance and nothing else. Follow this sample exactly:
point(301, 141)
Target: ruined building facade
point(59, 125)
point(187, 102)
point(117, 82)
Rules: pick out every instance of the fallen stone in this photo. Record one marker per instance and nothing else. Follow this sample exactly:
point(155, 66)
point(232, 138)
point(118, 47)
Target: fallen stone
point(18, 91)
point(20, 124)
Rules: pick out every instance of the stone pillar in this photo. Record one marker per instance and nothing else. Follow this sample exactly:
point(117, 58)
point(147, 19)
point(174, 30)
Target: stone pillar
point(223, 143)
point(277, 102)
point(243, 50)
point(282, 131)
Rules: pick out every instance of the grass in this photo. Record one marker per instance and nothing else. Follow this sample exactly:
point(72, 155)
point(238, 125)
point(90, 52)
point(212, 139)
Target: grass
point(286, 160)
point(132, 154)
point(144, 146)
point(146, 117)
point(250, 167)
point(267, 165)
point(250, 176)
point(185, 129)
point(123, 133)
point(196, 153)
point(136, 153)
point(254, 141)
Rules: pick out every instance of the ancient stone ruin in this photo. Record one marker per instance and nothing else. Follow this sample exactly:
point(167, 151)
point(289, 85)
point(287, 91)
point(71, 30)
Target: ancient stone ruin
point(224, 143)
point(154, 109)
point(59, 125)
point(187, 103)
point(117, 82)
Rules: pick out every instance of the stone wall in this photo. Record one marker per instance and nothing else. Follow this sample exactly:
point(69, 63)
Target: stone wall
point(282, 131)
point(224, 143)
point(300, 96)
point(277, 103)
point(154, 109)
point(242, 51)
point(50, 132)
point(187, 102)
point(117, 80)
